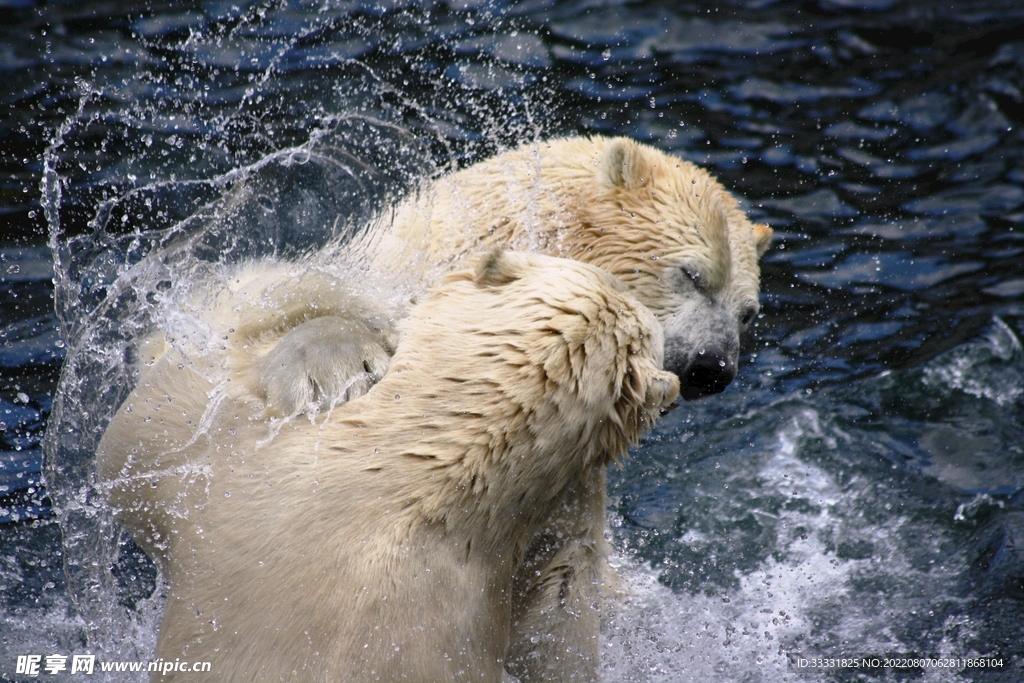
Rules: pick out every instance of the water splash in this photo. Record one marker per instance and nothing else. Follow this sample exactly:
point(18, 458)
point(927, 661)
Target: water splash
point(832, 581)
point(297, 148)
point(991, 367)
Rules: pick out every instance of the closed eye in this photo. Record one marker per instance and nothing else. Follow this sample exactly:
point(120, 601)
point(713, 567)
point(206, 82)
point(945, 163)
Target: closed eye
point(694, 277)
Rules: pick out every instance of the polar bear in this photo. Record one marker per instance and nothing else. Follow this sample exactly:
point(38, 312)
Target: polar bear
point(662, 225)
point(384, 540)
point(665, 227)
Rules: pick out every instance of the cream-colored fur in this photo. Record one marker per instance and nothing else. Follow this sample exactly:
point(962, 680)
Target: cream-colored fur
point(383, 541)
point(663, 226)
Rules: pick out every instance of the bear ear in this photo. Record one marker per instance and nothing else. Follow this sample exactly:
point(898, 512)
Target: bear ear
point(499, 268)
point(626, 164)
point(762, 238)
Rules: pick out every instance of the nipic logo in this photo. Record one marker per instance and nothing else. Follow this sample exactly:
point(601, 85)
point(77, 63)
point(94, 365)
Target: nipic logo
point(33, 665)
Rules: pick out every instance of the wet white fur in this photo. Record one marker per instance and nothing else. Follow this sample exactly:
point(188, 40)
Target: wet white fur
point(383, 542)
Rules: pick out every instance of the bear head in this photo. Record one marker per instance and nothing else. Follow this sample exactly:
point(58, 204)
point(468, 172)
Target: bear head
point(546, 355)
point(679, 240)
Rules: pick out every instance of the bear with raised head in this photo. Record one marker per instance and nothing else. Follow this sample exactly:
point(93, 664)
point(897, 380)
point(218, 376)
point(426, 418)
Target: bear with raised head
point(385, 540)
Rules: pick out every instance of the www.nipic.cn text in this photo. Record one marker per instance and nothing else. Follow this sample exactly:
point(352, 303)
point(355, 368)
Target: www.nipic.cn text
point(40, 665)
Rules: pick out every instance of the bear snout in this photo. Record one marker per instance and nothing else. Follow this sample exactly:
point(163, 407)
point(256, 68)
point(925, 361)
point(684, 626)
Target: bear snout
point(708, 373)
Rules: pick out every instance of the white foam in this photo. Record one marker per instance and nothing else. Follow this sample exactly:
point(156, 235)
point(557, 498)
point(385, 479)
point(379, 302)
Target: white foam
point(803, 598)
point(990, 368)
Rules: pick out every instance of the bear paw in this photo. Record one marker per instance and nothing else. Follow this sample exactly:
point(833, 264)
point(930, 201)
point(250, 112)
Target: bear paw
point(320, 364)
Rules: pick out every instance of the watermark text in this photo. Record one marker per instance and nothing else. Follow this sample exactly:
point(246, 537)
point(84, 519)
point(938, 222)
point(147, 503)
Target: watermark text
point(43, 665)
point(813, 663)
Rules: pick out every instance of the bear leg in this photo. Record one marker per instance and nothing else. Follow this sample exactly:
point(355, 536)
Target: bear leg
point(556, 616)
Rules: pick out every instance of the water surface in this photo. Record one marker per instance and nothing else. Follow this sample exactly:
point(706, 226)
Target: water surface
point(858, 490)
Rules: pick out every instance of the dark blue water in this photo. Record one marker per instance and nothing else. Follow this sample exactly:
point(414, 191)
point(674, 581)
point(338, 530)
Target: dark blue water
point(858, 490)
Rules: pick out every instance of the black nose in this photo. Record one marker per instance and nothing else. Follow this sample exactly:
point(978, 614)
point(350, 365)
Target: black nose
point(708, 374)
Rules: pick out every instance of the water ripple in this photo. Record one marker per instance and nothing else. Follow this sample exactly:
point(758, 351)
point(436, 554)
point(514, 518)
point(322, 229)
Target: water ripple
point(902, 271)
point(990, 199)
point(793, 93)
